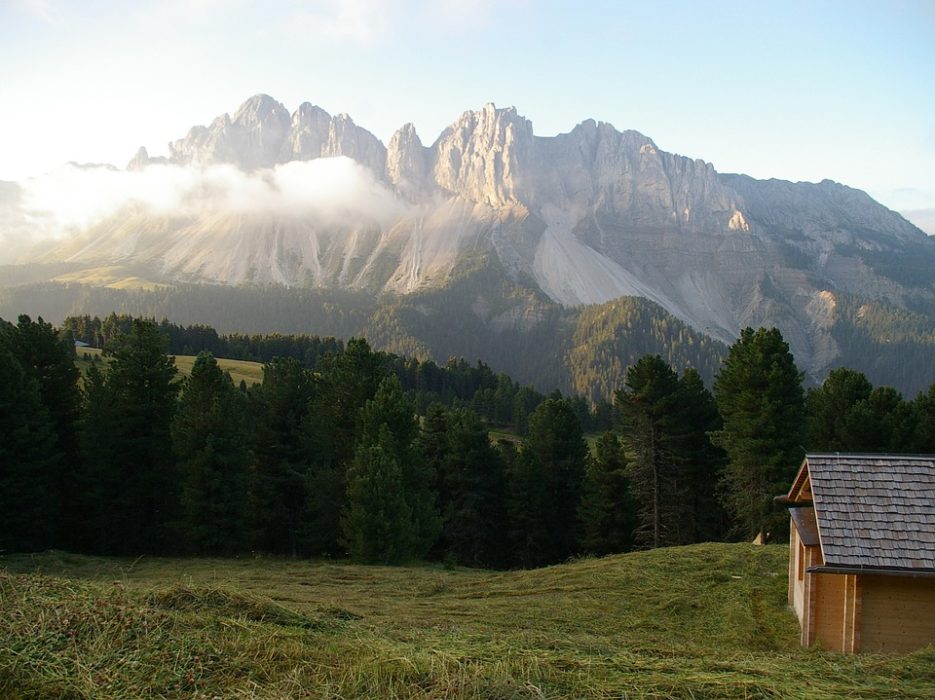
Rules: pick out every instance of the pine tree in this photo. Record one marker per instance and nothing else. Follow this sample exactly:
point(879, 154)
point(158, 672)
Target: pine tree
point(49, 358)
point(280, 407)
point(828, 408)
point(331, 430)
point(28, 461)
point(760, 398)
point(128, 462)
point(654, 427)
point(470, 487)
point(704, 517)
point(211, 440)
point(545, 487)
point(377, 525)
point(389, 419)
point(607, 511)
point(923, 439)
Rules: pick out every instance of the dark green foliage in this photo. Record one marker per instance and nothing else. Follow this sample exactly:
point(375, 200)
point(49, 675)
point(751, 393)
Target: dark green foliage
point(924, 408)
point(279, 409)
point(607, 511)
point(483, 314)
point(704, 517)
point(331, 429)
point(389, 421)
point(127, 447)
point(650, 405)
point(545, 486)
point(98, 474)
point(829, 408)
point(611, 337)
point(470, 487)
point(211, 439)
point(28, 460)
point(47, 358)
point(378, 523)
point(760, 398)
point(846, 414)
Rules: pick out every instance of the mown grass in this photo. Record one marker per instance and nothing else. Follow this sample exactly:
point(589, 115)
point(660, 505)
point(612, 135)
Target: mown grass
point(250, 372)
point(692, 622)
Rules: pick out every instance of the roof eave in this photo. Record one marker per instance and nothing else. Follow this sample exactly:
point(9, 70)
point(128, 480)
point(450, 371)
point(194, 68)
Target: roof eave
point(872, 571)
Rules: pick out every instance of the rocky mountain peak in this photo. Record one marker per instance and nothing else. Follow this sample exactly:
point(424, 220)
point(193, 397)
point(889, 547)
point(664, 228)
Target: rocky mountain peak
point(408, 161)
point(259, 109)
point(478, 156)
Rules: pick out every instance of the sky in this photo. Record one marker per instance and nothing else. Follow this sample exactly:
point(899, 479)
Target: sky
point(792, 90)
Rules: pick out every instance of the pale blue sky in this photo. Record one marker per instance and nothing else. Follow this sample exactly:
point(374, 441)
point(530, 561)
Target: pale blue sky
point(794, 90)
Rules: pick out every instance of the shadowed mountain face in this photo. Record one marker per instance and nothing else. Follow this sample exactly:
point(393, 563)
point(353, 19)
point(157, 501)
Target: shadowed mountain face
point(587, 216)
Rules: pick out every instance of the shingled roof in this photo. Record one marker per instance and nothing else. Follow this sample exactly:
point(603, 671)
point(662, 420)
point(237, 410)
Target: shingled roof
point(875, 511)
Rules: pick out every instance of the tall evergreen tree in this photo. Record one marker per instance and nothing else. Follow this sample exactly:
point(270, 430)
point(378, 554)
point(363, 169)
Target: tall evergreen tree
point(377, 524)
point(347, 380)
point(48, 358)
point(470, 486)
point(389, 420)
point(828, 408)
point(545, 486)
point(98, 474)
point(651, 409)
point(760, 398)
point(134, 469)
point(280, 408)
point(607, 511)
point(211, 439)
point(704, 518)
point(28, 461)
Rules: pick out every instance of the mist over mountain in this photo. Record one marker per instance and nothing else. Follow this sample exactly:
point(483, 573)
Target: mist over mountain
point(311, 200)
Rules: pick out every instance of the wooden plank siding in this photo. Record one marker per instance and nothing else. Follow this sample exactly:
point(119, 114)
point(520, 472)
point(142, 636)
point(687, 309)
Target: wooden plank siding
point(898, 614)
point(830, 614)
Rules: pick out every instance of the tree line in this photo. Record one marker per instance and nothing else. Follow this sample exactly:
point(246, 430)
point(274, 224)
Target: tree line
point(344, 460)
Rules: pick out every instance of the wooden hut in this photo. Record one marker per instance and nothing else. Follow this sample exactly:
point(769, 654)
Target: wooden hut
point(862, 563)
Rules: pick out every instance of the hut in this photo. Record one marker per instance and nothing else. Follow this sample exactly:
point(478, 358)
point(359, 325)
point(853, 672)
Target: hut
point(862, 560)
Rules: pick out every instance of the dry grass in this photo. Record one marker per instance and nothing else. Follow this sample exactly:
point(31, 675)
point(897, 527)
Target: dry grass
point(250, 372)
point(692, 622)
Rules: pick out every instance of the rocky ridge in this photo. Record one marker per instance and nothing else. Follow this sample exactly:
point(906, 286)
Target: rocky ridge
point(589, 215)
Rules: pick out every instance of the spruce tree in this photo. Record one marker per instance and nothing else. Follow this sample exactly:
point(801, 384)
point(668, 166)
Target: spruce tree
point(760, 398)
point(282, 456)
point(49, 358)
point(651, 409)
point(211, 439)
point(607, 511)
point(470, 487)
point(828, 408)
point(389, 419)
point(545, 487)
point(704, 517)
point(331, 432)
point(377, 525)
point(129, 467)
point(923, 439)
point(28, 461)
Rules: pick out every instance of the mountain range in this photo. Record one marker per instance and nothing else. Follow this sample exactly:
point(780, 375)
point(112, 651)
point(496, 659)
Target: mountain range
point(564, 222)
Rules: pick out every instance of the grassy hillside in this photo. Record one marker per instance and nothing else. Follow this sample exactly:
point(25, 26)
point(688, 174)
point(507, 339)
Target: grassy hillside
point(250, 372)
point(700, 621)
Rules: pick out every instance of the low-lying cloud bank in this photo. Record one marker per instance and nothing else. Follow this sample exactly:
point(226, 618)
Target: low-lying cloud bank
point(73, 198)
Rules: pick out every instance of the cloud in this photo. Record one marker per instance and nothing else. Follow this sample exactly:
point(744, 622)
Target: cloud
point(40, 9)
point(68, 201)
point(360, 22)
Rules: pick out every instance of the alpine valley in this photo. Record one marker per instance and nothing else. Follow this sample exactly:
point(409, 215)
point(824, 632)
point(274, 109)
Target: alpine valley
point(557, 259)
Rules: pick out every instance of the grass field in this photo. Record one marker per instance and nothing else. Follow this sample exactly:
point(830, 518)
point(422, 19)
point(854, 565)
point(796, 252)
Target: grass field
point(707, 621)
point(250, 372)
